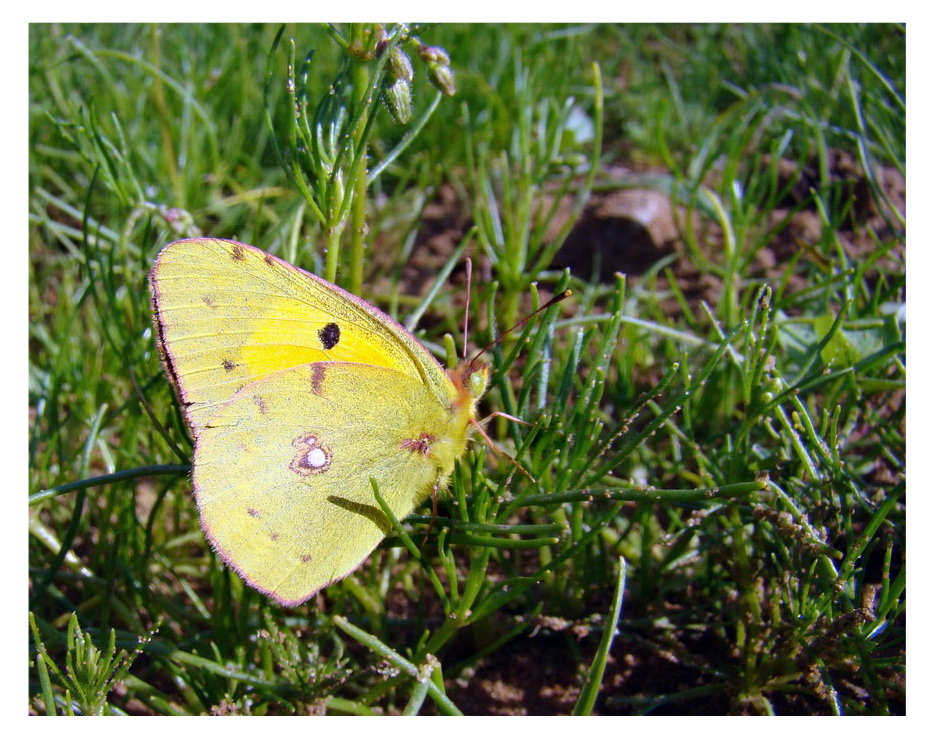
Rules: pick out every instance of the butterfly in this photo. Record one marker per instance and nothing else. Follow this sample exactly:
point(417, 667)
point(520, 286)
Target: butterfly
point(298, 394)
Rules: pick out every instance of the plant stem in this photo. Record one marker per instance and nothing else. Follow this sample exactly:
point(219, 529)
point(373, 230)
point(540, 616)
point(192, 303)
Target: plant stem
point(361, 83)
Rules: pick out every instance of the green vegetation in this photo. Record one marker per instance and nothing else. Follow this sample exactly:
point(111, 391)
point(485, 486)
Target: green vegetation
point(713, 453)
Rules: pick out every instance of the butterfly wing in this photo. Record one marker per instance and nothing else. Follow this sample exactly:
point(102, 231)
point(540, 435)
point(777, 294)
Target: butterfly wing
point(228, 314)
point(283, 470)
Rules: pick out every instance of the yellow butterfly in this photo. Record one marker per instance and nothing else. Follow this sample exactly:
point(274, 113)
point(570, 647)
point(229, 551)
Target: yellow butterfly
point(297, 394)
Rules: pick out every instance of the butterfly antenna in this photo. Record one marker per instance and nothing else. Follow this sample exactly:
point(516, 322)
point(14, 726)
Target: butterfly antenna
point(551, 302)
point(478, 425)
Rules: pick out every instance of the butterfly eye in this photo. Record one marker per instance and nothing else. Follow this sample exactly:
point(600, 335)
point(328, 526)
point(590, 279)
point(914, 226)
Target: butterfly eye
point(478, 382)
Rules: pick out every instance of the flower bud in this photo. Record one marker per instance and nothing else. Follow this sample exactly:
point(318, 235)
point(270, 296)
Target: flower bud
point(434, 55)
point(399, 100)
point(440, 73)
point(399, 66)
point(442, 78)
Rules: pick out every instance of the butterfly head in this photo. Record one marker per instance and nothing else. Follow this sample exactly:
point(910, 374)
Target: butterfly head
point(471, 379)
point(479, 375)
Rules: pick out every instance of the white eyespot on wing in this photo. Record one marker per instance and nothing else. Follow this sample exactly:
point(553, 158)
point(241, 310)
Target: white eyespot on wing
point(311, 458)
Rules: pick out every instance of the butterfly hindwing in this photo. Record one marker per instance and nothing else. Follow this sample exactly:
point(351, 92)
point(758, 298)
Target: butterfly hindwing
point(282, 471)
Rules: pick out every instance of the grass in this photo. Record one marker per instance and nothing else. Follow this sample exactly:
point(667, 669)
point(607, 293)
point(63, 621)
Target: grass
point(714, 520)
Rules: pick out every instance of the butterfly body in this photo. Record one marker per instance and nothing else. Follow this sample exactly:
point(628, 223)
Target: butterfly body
point(298, 395)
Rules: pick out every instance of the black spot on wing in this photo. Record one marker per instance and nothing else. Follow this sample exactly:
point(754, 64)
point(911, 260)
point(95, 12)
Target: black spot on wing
point(329, 335)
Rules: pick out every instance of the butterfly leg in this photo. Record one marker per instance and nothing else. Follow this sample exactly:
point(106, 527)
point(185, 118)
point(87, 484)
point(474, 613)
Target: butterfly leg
point(435, 514)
